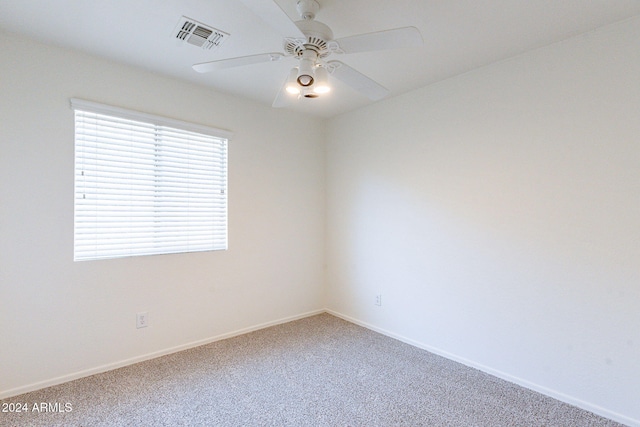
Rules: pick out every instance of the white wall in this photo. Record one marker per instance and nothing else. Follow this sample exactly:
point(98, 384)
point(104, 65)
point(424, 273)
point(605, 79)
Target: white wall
point(58, 318)
point(498, 214)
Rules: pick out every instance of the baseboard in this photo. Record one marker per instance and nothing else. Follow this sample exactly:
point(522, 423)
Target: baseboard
point(603, 412)
point(111, 366)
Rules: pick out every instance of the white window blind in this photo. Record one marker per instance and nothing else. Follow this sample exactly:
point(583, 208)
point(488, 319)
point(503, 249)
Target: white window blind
point(146, 185)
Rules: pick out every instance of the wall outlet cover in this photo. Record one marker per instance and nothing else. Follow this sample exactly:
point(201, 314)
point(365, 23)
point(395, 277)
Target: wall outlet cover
point(142, 319)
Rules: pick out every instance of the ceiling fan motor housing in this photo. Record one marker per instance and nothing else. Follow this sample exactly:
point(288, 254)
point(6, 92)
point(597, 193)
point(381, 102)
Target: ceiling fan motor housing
point(317, 37)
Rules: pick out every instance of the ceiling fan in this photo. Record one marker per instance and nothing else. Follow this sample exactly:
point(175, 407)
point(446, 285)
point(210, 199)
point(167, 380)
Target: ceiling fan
point(311, 42)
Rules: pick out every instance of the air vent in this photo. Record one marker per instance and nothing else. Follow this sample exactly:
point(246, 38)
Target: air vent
point(203, 36)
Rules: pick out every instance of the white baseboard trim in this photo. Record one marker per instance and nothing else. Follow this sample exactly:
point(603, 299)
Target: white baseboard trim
point(502, 375)
point(115, 365)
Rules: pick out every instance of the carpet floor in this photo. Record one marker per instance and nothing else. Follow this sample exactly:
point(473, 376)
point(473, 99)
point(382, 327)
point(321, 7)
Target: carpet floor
point(317, 371)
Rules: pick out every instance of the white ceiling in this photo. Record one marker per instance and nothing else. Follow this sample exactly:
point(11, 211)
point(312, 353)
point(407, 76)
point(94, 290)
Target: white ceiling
point(459, 35)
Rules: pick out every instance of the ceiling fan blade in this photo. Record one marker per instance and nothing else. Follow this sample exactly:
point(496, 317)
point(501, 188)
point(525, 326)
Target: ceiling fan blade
point(381, 40)
point(206, 67)
point(272, 14)
point(357, 80)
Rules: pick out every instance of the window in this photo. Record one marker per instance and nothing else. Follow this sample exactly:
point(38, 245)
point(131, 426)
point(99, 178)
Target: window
point(146, 185)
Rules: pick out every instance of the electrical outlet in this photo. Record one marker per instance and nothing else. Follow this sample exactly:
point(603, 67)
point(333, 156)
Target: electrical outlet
point(142, 319)
point(378, 300)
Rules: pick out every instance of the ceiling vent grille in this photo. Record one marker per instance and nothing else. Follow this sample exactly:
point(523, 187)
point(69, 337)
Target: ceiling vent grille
point(203, 36)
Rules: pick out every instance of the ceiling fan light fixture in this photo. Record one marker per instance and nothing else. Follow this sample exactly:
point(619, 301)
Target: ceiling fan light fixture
point(305, 80)
point(321, 81)
point(307, 64)
point(305, 73)
point(292, 84)
point(309, 92)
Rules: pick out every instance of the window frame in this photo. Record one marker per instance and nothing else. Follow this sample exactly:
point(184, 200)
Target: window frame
point(159, 123)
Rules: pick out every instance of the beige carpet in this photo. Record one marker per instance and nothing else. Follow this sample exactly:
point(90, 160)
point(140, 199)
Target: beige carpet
point(318, 371)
